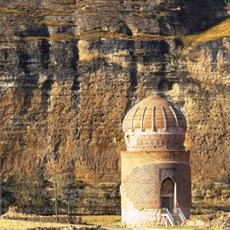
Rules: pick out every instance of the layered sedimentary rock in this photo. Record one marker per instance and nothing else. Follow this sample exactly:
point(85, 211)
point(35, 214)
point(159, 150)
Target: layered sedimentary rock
point(71, 70)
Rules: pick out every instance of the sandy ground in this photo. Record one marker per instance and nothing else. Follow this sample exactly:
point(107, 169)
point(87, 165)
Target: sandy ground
point(114, 223)
point(23, 225)
point(6, 224)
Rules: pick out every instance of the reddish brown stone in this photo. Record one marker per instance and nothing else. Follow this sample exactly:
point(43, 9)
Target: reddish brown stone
point(158, 176)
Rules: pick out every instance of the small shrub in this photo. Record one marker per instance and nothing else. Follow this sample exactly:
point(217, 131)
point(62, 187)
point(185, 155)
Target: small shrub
point(144, 13)
point(158, 17)
point(160, 7)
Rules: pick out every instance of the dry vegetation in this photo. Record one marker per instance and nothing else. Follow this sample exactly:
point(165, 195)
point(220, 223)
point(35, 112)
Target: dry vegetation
point(54, 38)
point(94, 35)
point(4, 10)
point(219, 31)
point(115, 222)
point(53, 23)
point(22, 9)
point(107, 221)
point(200, 222)
point(214, 33)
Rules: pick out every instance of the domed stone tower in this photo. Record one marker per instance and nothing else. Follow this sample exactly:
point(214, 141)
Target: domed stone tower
point(155, 168)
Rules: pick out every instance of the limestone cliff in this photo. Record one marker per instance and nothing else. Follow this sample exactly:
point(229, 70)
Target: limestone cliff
point(70, 70)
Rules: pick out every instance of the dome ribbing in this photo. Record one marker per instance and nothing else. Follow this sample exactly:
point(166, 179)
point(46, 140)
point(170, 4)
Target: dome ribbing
point(154, 124)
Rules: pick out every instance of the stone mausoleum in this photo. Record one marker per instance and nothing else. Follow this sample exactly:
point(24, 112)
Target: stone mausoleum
point(155, 167)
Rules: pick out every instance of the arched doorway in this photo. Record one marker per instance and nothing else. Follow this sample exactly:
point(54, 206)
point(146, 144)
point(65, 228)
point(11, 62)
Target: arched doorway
point(167, 194)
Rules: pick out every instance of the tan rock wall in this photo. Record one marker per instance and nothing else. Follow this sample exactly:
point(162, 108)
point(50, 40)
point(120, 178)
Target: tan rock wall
point(64, 94)
point(207, 107)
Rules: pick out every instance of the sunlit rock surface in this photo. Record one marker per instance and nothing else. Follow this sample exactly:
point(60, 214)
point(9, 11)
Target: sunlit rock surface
point(69, 72)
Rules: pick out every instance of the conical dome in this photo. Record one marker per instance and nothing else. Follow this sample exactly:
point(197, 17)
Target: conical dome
point(154, 124)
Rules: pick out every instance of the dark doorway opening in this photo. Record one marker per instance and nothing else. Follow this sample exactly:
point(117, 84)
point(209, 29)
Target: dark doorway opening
point(167, 194)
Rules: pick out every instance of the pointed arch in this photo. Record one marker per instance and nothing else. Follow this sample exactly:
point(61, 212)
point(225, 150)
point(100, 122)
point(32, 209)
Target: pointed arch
point(168, 193)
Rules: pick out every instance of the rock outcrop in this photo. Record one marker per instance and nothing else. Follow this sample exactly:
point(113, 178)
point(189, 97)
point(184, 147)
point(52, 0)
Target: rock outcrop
point(70, 70)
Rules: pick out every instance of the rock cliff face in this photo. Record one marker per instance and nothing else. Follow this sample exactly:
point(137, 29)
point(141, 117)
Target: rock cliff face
point(69, 72)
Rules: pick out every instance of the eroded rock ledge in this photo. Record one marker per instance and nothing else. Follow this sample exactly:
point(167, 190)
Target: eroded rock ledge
point(71, 70)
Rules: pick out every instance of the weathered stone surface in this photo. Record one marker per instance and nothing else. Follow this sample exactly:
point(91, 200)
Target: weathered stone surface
point(151, 17)
point(64, 94)
point(207, 107)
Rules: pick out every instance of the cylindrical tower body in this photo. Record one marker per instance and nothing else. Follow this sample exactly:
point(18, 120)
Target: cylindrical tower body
point(155, 168)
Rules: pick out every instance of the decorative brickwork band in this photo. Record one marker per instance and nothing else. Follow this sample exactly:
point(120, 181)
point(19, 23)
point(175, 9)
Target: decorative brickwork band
point(140, 186)
point(155, 142)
